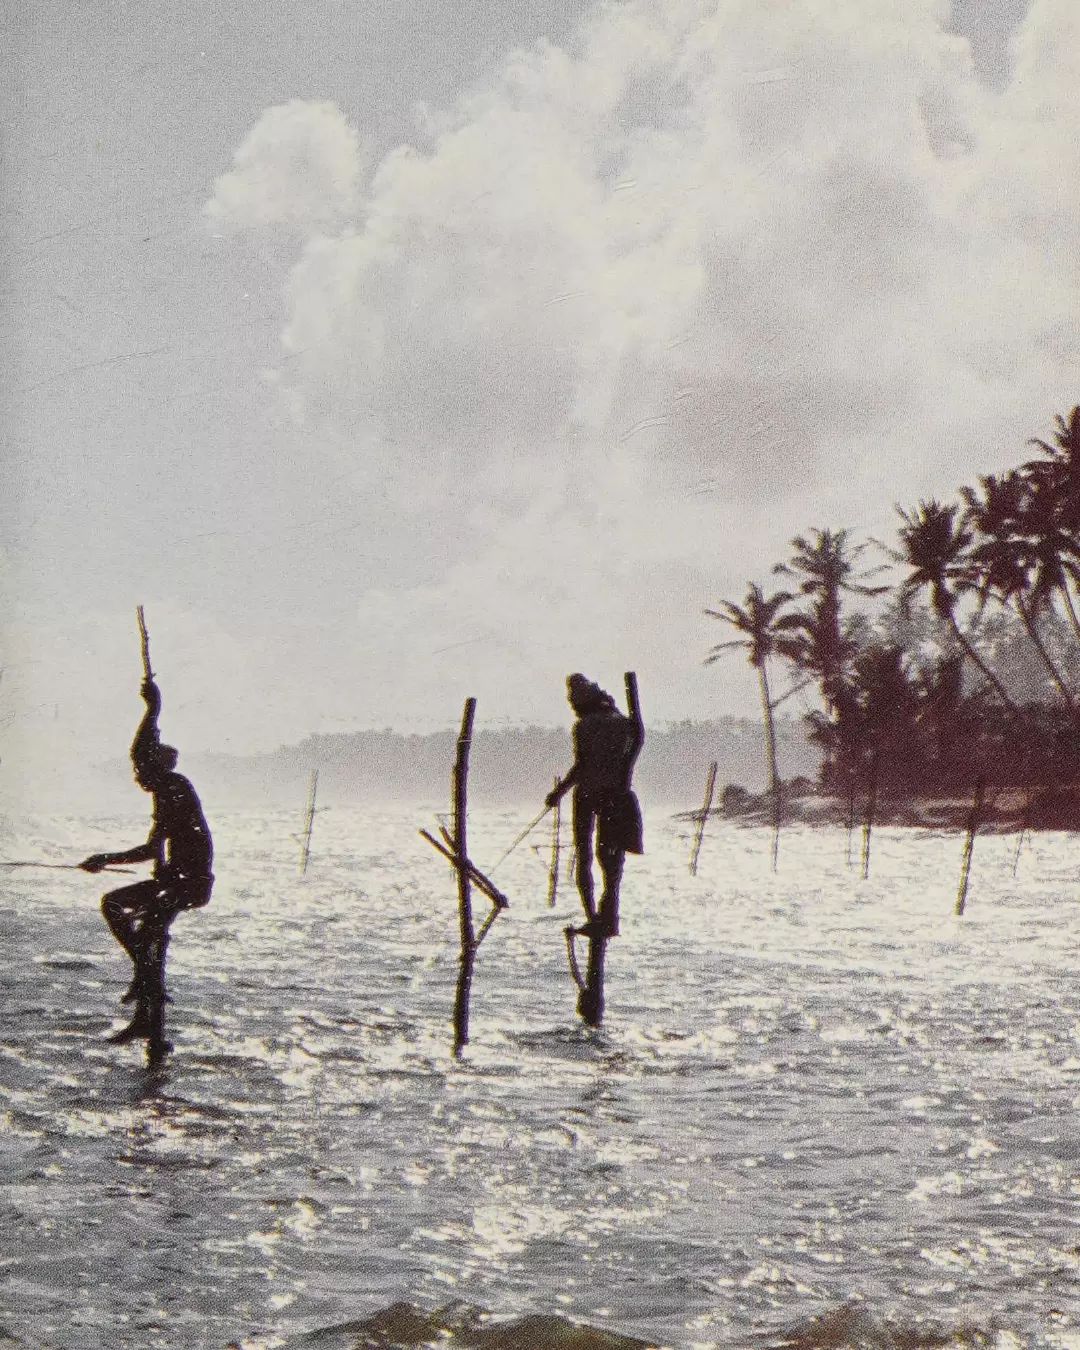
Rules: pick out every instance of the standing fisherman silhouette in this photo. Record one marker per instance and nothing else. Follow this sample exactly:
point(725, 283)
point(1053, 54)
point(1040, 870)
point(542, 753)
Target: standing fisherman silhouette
point(606, 743)
point(180, 847)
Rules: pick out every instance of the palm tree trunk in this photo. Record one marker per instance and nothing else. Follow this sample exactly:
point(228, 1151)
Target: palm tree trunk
point(972, 655)
point(770, 735)
point(770, 754)
point(1070, 607)
point(1040, 647)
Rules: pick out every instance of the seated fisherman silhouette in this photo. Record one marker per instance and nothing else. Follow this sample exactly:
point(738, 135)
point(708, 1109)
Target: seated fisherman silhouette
point(606, 743)
point(182, 852)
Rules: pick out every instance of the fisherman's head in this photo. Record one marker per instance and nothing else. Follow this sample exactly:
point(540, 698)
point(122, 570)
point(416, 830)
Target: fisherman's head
point(150, 770)
point(583, 695)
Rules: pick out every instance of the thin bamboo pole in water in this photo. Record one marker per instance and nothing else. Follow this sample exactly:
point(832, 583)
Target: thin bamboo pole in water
point(710, 787)
point(974, 819)
point(850, 818)
point(309, 820)
point(1025, 822)
point(869, 814)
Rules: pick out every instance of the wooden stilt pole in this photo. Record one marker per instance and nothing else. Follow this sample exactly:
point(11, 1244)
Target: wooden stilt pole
point(556, 844)
point(1025, 822)
point(710, 787)
point(591, 998)
point(154, 940)
point(454, 849)
point(776, 817)
point(309, 820)
point(974, 819)
point(870, 813)
point(465, 917)
point(482, 883)
point(850, 817)
point(633, 703)
point(144, 642)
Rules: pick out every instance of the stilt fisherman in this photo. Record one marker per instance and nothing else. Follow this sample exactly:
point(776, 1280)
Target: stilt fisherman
point(606, 744)
point(182, 853)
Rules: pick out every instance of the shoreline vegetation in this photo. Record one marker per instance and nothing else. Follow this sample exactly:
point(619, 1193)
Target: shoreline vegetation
point(1008, 811)
point(950, 697)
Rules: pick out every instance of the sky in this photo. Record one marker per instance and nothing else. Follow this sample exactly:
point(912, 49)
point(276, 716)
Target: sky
point(391, 353)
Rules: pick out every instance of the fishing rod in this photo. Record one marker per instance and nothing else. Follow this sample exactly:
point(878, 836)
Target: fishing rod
point(526, 831)
point(65, 867)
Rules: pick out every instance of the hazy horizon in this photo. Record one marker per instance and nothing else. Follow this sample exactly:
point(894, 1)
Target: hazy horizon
point(510, 764)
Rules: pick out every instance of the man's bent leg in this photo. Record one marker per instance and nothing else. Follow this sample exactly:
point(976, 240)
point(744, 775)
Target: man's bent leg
point(124, 909)
point(584, 824)
point(147, 929)
point(153, 947)
point(611, 867)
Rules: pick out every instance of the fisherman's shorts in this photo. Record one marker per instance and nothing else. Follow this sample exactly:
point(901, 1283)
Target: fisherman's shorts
point(185, 892)
point(619, 824)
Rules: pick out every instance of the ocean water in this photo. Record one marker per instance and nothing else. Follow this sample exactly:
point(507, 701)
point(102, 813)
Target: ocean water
point(823, 1111)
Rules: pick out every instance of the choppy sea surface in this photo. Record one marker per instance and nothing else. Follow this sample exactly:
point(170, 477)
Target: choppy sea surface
point(823, 1111)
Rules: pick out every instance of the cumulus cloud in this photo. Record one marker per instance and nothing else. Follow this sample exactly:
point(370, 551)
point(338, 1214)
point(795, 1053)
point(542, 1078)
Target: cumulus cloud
point(710, 233)
point(793, 258)
point(300, 166)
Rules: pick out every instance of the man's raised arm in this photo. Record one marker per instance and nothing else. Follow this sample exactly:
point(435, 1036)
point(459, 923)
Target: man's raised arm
point(147, 742)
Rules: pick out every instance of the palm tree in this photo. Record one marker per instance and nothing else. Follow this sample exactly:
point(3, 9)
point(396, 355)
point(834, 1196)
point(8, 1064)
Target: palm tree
point(934, 546)
point(940, 686)
point(765, 633)
point(1055, 510)
point(824, 565)
point(1003, 558)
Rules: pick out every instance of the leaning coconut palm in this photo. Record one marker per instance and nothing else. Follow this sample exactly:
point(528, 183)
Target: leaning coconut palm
point(765, 633)
point(1060, 470)
point(934, 547)
point(1053, 549)
point(1002, 559)
point(1055, 506)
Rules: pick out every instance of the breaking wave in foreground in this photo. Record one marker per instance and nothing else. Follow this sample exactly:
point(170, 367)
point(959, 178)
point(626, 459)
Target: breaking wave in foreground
point(823, 1112)
point(460, 1325)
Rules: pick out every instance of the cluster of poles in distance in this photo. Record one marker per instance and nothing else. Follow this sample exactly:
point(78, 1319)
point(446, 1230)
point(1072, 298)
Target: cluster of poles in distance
point(976, 816)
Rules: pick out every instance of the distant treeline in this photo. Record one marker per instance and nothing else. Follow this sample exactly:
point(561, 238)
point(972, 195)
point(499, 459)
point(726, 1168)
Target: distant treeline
point(515, 764)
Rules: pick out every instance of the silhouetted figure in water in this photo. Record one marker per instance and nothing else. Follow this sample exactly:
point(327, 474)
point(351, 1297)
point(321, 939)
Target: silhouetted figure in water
point(606, 743)
point(182, 852)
